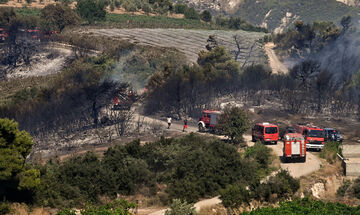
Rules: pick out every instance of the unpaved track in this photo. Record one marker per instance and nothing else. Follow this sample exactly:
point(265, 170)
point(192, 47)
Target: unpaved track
point(189, 41)
point(295, 169)
point(276, 65)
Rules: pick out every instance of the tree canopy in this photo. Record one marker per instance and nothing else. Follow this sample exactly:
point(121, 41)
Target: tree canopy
point(15, 146)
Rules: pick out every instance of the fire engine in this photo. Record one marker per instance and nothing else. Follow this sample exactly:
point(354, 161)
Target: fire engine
point(208, 120)
point(124, 100)
point(265, 132)
point(294, 147)
point(314, 136)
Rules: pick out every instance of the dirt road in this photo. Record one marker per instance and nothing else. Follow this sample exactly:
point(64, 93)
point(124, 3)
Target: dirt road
point(295, 169)
point(275, 64)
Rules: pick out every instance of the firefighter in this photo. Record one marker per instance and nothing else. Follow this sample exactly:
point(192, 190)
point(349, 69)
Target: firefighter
point(169, 122)
point(185, 124)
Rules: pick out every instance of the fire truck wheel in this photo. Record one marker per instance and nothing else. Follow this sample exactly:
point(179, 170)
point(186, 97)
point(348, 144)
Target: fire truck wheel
point(303, 159)
point(253, 138)
point(275, 143)
point(285, 159)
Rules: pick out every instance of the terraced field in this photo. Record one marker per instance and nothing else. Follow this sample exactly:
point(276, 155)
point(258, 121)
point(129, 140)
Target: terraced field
point(191, 42)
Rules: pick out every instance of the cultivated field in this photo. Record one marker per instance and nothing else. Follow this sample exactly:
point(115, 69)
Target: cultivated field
point(191, 42)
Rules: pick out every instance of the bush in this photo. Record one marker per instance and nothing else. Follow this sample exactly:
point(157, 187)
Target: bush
point(191, 167)
point(178, 207)
point(91, 10)
point(260, 153)
point(330, 150)
point(191, 13)
point(343, 188)
point(181, 8)
point(5, 208)
point(280, 186)
point(356, 188)
point(306, 206)
point(57, 17)
point(234, 196)
point(118, 207)
point(205, 16)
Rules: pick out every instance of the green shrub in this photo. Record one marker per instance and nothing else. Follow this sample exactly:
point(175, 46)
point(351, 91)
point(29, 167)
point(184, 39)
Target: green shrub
point(191, 13)
point(260, 153)
point(330, 150)
point(5, 208)
point(178, 207)
point(356, 188)
point(306, 206)
point(91, 10)
point(280, 186)
point(191, 167)
point(205, 16)
point(343, 188)
point(234, 196)
point(181, 8)
point(118, 207)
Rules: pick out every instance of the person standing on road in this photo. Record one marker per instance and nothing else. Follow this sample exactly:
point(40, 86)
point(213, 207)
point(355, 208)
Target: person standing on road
point(185, 124)
point(169, 122)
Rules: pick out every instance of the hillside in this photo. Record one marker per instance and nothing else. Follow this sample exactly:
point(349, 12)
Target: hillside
point(275, 13)
point(191, 42)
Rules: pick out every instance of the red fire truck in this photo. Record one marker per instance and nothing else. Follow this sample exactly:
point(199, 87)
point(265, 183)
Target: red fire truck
point(314, 136)
point(208, 120)
point(265, 132)
point(294, 147)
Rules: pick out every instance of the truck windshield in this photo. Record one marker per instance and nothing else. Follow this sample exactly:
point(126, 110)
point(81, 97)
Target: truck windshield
point(271, 130)
point(316, 133)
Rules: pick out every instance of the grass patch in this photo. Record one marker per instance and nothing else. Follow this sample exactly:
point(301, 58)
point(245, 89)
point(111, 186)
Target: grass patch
point(144, 21)
point(25, 11)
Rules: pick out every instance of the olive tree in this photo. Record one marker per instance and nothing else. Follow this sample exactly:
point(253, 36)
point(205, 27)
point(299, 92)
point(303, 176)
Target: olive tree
point(233, 123)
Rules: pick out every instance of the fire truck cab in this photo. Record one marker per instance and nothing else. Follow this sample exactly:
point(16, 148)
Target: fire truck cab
point(294, 147)
point(265, 132)
point(314, 136)
point(208, 120)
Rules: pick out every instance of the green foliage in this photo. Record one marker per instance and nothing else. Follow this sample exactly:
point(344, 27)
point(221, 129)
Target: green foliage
point(280, 186)
point(191, 167)
point(178, 207)
point(91, 10)
point(306, 206)
point(260, 153)
point(181, 8)
point(205, 16)
point(238, 23)
point(118, 207)
point(5, 208)
point(57, 17)
point(144, 21)
point(356, 188)
point(191, 13)
point(341, 191)
point(330, 151)
point(15, 145)
point(233, 123)
point(234, 196)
